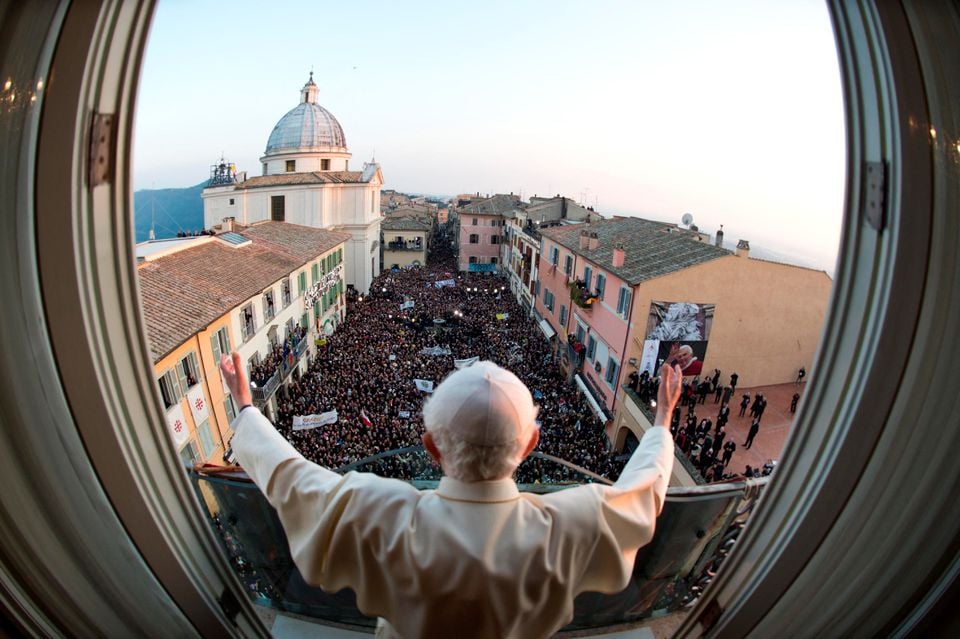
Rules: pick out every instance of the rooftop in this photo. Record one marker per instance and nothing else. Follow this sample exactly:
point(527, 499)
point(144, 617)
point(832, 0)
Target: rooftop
point(315, 177)
point(403, 223)
point(187, 290)
point(651, 249)
point(503, 205)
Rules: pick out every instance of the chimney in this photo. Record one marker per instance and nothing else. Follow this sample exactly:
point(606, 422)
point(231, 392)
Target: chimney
point(593, 242)
point(618, 256)
point(584, 240)
point(563, 208)
point(719, 240)
point(743, 248)
point(227, 225)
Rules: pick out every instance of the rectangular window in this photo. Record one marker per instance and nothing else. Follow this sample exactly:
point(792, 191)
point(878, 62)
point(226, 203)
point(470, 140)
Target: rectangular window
point(581, 332)
point(285, 292)
point(231, 201)
point(206, 438)
point(188, 371)
point(591, 347)
point(548, 299)
point(247, 322)
point(301, 283)
point(324, 165)
point(536, 288)
point(493, 260)
point(473, 259)
point(554, 255)
point(623, 302)
point(315, 273)
point(220, 343)
point(474, 239)
point(611, 374)
point(339, 256)
point(587, 277)
point(169, 389)
point(291, 166)
point(474, 221)
point(189, 455)
point(601, 284)
point(568, 264)
point(269, 309)
point(230, 409)
point(494, 239)
point(305, 321)
point(278, 208)
point(563, 314)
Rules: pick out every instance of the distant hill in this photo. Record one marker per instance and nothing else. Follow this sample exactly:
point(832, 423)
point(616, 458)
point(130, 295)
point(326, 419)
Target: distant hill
point(170, 210)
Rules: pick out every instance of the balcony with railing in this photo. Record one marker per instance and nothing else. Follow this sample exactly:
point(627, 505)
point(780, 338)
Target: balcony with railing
point(581, 295)
point(643, 404)
point(405, 246)
point(262, 393)
point(695, 532)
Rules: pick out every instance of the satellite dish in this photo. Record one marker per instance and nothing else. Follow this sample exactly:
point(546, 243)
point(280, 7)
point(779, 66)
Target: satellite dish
point(686, 219)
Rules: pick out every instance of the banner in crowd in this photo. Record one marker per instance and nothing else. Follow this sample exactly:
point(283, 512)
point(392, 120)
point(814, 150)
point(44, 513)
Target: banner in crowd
point(451, 283)
point(463, 363)
point(406, 305)
point(435, 350)
point(198, 404)
point(305, 422)
point(178, 425)
point(503, 316)
point(424, 385)
point(405, 414)
point(681, 330)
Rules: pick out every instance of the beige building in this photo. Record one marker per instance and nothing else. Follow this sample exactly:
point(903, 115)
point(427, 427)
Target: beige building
point(252, 291)
point(405, 235)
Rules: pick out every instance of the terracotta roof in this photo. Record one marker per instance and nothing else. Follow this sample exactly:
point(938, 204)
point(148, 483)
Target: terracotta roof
point(184, 292)
point(503, 205)
point(651, 249)
point(315, 177)
point(404, 224)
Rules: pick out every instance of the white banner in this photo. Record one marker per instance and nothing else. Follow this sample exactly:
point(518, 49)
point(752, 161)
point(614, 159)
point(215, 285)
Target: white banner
point(442, 283)
point(198, 404)
point(304, 422)
point(178, 425)
point(407, 305)
point(435, 350)
point(404, 414)
point(648, 361)
point(463, 363)
point(424, 385)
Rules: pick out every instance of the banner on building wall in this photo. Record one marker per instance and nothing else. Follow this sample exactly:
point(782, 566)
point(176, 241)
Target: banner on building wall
point(306, 422)
point(648, 359)
point(198, 404)
point(178, 425)
point(682, 331)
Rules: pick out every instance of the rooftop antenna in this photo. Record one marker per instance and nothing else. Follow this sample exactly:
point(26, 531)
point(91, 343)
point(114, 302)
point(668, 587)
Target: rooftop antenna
point(687, 219)
point(153, 218)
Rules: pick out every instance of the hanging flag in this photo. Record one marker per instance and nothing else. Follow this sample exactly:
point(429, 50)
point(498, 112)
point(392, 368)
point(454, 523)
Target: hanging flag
point(424, 385)
point(366, 420)
point(178, 425)
point(463, 363)
point(198, 404)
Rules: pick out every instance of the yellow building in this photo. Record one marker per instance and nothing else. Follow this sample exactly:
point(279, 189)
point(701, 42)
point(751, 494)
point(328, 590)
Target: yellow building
point(252, 290)
point(405, 235)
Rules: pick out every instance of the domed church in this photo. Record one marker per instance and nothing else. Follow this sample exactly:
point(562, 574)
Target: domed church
point(306, 179)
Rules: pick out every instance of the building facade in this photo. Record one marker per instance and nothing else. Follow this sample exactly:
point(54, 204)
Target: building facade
point(306, 180)
point(267, 291)
point(405, 236)
point(482, 232)
point(622, 294)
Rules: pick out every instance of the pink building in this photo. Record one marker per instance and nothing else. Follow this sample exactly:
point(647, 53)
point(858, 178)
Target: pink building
point(482, 231)
point(589, 275)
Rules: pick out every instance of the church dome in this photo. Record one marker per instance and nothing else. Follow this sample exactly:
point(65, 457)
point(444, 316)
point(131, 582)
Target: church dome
point(306, 127)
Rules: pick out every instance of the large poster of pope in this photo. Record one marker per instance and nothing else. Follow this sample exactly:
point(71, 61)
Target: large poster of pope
point(682, 330)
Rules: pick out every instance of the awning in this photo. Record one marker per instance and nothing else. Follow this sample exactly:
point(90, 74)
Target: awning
point(547, 329)
point(594, 406)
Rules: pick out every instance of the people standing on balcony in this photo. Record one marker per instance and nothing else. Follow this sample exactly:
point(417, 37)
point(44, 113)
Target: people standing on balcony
point(462, 560)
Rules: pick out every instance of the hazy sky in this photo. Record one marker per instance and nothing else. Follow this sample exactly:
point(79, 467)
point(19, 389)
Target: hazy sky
point(731, 111)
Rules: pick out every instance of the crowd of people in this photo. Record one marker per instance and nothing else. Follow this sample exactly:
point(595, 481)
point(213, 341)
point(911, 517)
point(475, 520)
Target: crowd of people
point(413, 325)
point(279, 355)
point(366, 372)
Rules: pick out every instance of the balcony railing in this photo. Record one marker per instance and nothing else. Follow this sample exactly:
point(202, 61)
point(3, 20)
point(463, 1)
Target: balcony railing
point(581, 296)
point(262, 394)
point(695, 533)
point(404, 246)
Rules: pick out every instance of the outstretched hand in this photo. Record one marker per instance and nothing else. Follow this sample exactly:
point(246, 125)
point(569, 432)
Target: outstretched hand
point(236, 379)
point(671, 382)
